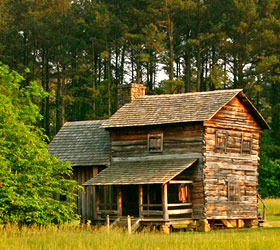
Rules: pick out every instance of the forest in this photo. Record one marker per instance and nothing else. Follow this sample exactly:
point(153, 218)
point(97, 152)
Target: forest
point(80, 51)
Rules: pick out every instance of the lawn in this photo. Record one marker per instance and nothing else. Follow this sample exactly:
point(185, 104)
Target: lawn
point(74, 237)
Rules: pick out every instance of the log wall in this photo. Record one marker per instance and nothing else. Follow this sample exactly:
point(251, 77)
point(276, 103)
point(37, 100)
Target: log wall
point(230, 176)
point(179, 141)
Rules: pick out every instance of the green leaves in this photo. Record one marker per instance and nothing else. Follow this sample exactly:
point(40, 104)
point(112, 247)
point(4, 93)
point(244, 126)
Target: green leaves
point(29, 176)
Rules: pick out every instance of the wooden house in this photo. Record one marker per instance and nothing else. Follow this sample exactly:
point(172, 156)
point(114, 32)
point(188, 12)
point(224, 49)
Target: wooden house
point(181, 158)
point(87, 147)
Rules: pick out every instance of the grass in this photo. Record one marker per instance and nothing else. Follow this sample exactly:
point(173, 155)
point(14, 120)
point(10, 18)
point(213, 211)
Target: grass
point(75, 237)
point(273, 212)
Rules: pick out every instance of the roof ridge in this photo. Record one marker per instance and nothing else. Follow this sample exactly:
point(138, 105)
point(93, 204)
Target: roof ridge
point(84, 121)
point(191, 93)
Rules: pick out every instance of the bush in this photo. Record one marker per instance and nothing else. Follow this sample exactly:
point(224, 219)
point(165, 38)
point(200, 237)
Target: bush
point(29, 176)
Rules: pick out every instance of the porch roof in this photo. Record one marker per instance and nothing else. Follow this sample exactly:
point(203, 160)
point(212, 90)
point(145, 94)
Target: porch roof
point(139, 172)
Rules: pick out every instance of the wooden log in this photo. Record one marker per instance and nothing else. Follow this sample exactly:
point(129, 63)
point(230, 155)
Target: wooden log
point(129, 224)
point(107, 212)
point(179, 204)
point(152, 205)
point(164, 202)
point(97, 201)
point(94, 202)
point(152, 212)
point(108, 222)
point(180, 211)
point(180, 182)
point(140, 201)
point(119, 201)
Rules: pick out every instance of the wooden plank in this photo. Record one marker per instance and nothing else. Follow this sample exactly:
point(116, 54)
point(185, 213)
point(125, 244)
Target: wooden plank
point(107, 212)
point(97, 201)
point(180, 211)
point(152, 205)
point(152, 212)
point(180, 182)
point(119, 201)
point(179, 204)
point(157, 157)
point(94, 202)
point(140, 201)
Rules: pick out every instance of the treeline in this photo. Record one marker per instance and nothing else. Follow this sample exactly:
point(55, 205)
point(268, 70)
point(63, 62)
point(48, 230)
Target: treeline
point(80, 51)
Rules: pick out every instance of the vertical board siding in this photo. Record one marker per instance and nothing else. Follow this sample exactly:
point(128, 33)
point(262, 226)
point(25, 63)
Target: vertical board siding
point(222, 169)
point(85, 199)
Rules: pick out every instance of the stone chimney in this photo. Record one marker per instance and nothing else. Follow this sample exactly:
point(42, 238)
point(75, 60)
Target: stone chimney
point(128, 93)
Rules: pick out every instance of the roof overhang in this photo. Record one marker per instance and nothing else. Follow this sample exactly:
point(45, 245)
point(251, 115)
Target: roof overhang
point(141, 172)
point(255, 113)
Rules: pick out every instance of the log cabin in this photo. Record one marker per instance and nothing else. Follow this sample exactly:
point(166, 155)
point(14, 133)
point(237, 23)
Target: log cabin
point(187, 159)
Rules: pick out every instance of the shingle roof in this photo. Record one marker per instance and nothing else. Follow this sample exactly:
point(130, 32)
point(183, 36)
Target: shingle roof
point(82, 143)
point(139, 172)
point(163, 109)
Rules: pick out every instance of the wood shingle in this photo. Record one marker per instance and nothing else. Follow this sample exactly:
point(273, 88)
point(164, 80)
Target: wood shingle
point(176, 108)
point(83, 143)
point(139, 172)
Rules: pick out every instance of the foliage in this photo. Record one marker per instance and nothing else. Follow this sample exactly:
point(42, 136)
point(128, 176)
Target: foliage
point(29, 176)
point(85, 49)
point(269, 170)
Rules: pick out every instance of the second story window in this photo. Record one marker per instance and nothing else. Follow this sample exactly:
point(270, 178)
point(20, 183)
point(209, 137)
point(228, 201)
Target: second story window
point(155, 142)
point(246, 144)
point(221, 141)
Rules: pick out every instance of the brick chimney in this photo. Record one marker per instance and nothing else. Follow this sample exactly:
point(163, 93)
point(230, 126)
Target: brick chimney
point(128, 93)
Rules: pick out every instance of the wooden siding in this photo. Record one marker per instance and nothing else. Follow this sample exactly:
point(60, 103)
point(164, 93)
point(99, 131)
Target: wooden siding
point(231, 168)
point(85, 204)
point(179, 141)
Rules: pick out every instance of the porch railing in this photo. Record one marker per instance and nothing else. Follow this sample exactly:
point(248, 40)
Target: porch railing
point(173, 209)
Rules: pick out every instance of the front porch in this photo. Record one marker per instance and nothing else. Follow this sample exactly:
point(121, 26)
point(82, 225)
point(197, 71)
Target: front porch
point(150, 202)
point(151, 190)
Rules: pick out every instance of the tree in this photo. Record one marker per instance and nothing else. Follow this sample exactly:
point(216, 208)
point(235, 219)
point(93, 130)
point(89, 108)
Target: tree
point(29, 176)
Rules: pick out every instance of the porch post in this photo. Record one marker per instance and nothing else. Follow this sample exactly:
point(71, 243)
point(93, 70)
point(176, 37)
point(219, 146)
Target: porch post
point(140, 201)
point(97, 202)
point(164, 201)
point(94, 202)
point(119, 200)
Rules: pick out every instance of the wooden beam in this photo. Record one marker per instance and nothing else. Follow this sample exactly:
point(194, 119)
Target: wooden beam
point(179, 204)
point(180, 182)
point(140, 201)
point(119, 200)
point(94, 201)
point(164, 202)
point(180, 211)
point(97, 201)
point(152, 212)
point(108, 212)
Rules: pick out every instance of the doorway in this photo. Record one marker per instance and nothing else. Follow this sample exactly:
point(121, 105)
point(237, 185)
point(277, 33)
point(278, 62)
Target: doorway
point(130, 200)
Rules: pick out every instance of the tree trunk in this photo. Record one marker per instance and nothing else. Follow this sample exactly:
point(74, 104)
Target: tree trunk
point(93, 77)
point(47, 82)
point(58, 99)
point(109, 81)
point(187, 70)
point(170, 29)
point(198, 65)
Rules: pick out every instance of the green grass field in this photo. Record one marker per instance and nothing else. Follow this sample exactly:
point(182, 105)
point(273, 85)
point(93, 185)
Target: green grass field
point(75, 237)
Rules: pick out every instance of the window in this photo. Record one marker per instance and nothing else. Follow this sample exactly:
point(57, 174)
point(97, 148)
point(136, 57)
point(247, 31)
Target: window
point(221, 141)
point(155, 142)
point(233, 190)
point(183, 193)
point(246, 144)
